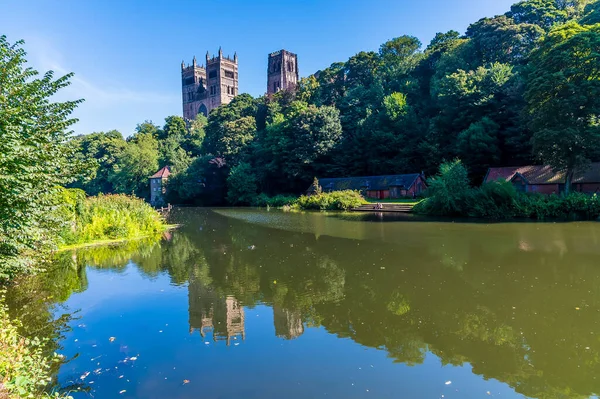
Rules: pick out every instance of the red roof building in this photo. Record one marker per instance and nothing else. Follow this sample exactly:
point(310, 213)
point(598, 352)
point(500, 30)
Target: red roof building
point(543, 179)
point(163, 173)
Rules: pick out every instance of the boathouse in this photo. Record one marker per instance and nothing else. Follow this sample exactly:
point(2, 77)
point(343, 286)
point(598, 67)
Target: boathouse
point(543, 179)
point(158, 184)
point(377, 187)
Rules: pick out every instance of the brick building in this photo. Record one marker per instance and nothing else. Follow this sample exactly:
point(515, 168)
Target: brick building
point(205, 87)
point(377, 187)
point(544, 180)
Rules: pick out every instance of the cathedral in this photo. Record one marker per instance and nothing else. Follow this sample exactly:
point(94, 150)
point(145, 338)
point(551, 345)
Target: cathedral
point(205, 87)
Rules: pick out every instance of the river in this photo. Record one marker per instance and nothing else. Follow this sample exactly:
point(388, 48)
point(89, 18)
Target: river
point(245, 303)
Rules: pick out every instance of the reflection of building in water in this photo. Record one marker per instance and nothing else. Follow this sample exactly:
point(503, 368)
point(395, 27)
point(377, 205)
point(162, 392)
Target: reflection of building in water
point(210, 312)
point(288, 323)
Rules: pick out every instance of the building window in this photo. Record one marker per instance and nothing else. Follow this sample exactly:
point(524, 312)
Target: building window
point(212, 74)
point(229, 74)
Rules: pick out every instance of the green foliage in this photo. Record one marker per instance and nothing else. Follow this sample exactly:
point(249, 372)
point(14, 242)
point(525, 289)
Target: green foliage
point(277, 201)
point(531, 73)
point(34, 160)
point(448, 192)
point(241, 185)
point(25, 370)
point(563, 97)
point(478, 145)
point(337, 200)
point(107, 217)
point(138, 162)
point(204, 183)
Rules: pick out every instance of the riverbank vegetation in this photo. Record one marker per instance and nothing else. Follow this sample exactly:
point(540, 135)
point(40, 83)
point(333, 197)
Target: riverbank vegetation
point(37, 160)
point(339, 200)
point(25, 370)
point(450, 194)
point(514, 89)
point(106, 218)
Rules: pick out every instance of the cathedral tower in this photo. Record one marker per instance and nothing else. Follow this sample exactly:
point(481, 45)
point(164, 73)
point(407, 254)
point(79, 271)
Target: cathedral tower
point(282, 72)
point(208, 86)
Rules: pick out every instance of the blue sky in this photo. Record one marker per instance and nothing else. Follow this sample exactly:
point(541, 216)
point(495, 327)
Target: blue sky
point(126, 54)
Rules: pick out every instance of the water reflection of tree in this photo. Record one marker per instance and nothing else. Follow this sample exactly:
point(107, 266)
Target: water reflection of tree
point(517, 304)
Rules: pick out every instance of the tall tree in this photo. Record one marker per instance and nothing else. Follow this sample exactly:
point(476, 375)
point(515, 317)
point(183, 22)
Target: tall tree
point(563, 96)
point(34, 157)
point(138, 163)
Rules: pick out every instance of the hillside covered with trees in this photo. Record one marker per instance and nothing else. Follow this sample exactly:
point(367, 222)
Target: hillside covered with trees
point(514, 89)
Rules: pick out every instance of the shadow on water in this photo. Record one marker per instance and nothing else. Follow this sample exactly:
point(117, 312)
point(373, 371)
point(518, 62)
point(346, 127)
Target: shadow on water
point(518, 302)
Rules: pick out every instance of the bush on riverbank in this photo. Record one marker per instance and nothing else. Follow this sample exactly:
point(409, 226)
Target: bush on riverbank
point(278, 201)
point(24, 369)
point(337, 200)
point(106, 217)
point(449, 194)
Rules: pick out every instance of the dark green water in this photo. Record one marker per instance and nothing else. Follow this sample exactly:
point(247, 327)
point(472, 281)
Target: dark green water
point(254, 304)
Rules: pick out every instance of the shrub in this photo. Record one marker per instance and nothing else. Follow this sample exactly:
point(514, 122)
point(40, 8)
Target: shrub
point(448, 192)
point(337, 200)
point(497, 200)
point(278, 201)
point(24, 369)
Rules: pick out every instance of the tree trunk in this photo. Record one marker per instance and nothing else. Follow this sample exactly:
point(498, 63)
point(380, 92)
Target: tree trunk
point(569, 180)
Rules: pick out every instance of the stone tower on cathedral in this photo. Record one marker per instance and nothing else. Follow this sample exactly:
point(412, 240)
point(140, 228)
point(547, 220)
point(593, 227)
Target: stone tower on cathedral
point(282, 72)
point(205, 87)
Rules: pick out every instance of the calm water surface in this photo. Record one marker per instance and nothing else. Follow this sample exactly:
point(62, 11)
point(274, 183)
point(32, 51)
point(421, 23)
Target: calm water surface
point(243, 303)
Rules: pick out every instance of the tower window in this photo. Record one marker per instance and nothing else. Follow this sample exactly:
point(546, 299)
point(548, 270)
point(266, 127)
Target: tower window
point(229, 74)
point(212, 74)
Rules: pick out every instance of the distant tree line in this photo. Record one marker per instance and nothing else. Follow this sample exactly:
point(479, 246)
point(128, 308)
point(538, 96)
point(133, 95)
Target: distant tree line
point(518, 88)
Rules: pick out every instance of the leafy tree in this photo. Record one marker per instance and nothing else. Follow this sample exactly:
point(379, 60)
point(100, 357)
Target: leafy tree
point(448, 191)
point(563, 96)
point(174, 127)
point(99, 152)
point(138, 163)
point(216, 130)
point(34, 157)
point(591, 14)
point(478, 146)
point(241, 185)
point(148, 127)
point(500, 39)
point(297, 140)
point(202, 183)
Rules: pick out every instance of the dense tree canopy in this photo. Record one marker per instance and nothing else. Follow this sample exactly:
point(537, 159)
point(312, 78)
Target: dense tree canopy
point(515, 89)
point(34, 157)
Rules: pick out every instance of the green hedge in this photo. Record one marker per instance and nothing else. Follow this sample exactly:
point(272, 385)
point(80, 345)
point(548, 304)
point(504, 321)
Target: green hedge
point(337, 200)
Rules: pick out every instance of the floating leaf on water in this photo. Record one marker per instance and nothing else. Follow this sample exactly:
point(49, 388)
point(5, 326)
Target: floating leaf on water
point(186, 382)
point(122, 392)
point(448, 382)
point(112, 339)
